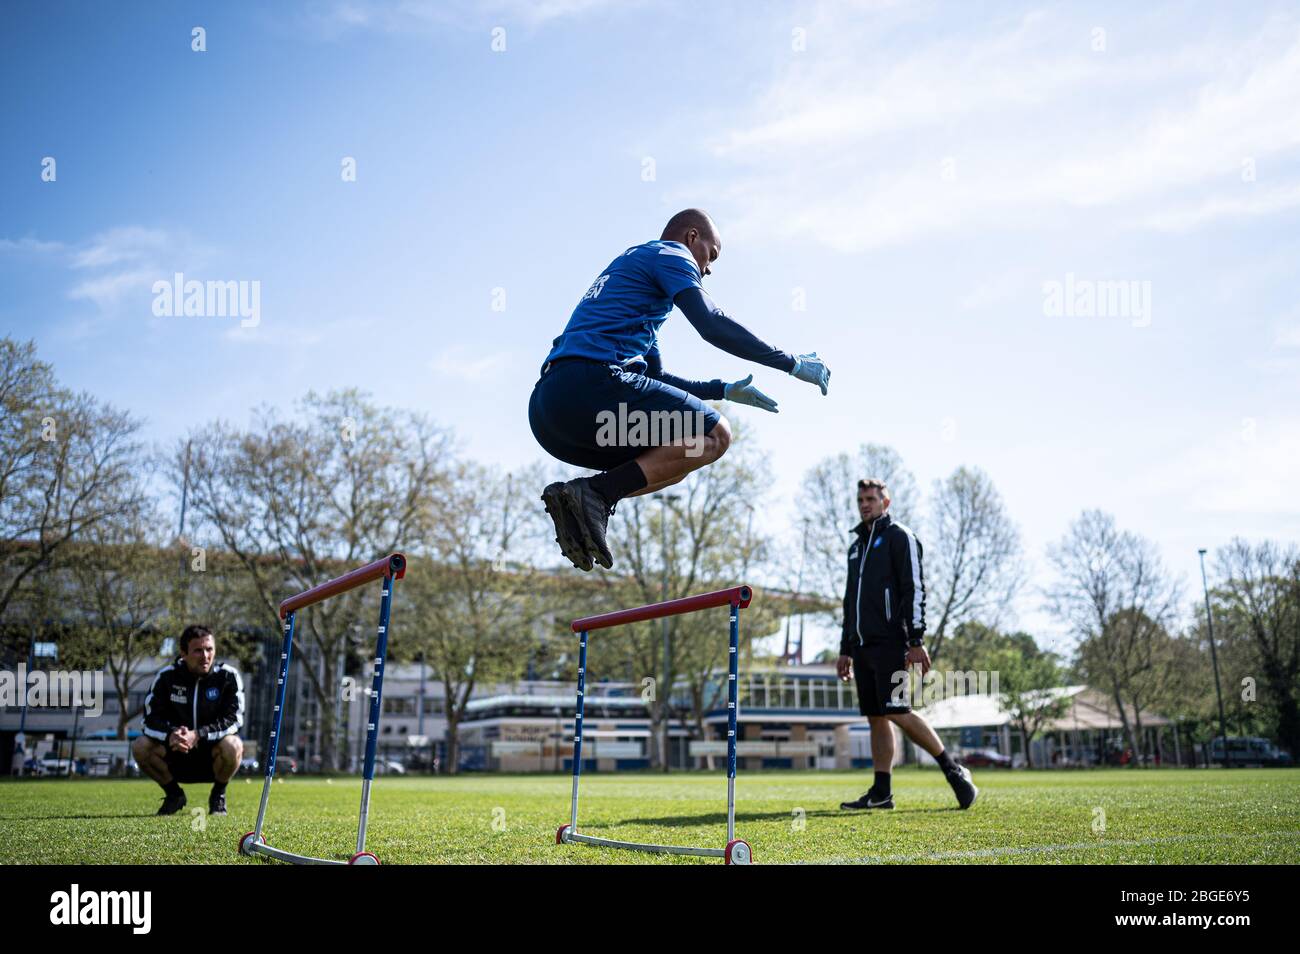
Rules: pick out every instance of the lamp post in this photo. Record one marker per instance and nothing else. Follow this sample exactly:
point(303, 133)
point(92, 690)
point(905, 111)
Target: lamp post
point(1214, 660)
point(786, 654)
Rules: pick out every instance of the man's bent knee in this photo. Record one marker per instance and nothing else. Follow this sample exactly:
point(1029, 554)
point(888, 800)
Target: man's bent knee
point(146, 748)
point(720, 438)
point(231, 745)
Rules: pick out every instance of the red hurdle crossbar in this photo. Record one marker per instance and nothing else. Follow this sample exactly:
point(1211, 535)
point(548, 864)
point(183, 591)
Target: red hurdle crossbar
point(736, 597)
point(393, 565)
point(389, 569)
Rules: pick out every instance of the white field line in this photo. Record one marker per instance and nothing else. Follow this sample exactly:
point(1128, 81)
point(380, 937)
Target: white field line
point(1099, 843)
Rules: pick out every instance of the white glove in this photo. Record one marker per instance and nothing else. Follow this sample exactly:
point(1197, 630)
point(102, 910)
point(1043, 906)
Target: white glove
point(742, 392)
point(810, 368)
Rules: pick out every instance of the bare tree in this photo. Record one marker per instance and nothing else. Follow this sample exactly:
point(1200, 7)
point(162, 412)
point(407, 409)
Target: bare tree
point(973, 560)
point(67, 463)
point(474, 605)
point(119, 589)
point(705, 539)
point(1116, 596)
point(297, 501)
point(828, 500)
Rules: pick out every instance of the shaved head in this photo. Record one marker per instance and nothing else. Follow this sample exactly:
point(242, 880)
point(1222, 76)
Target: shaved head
point(684, 221)
point(694, 229)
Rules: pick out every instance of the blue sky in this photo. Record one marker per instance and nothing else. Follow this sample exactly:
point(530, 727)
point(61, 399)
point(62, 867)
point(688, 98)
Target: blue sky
point(915, 171)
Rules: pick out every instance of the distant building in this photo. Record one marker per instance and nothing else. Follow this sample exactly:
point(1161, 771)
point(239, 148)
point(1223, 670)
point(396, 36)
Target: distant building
point(798, 717)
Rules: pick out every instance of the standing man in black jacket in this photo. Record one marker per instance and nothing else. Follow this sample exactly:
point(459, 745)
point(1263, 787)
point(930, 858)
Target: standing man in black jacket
point(884, 635)
point(192, 717)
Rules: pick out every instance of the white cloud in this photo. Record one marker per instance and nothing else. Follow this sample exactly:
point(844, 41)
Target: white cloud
point(128, 243)
point(848, 144)
point(107, 291)
point(31, 246)
point(122, 263)
point(1253, 466)
point(1000, 289)
point(116, 267)
point(1288, 336)
point(1254, 200)
point(403, 16)
point(457, 363)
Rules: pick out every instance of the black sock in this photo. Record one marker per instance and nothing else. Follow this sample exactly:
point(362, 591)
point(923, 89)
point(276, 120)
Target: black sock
point(172, 788)
point(945, 761)
point(881, 785)
point(616, 484)
point(218, 788)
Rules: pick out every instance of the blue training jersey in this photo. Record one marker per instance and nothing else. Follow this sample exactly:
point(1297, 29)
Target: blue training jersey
point(619, 316)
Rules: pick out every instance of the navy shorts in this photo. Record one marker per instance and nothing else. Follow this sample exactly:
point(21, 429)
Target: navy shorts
point(879, 671)
point(193, 766)
point(599, 416)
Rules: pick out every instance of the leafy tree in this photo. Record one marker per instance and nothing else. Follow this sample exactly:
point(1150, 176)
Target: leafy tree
point(67, 463)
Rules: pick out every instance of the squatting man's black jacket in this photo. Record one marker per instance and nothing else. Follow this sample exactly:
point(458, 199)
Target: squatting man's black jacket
point(212, 705)
point(884, 599)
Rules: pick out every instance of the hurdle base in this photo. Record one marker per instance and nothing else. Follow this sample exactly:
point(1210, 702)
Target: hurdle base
point(279, 854)
point(581, 839)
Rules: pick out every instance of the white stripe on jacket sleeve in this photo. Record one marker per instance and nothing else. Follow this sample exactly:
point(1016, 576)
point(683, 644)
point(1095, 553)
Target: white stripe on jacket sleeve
point(918, 580)
point(148, 703)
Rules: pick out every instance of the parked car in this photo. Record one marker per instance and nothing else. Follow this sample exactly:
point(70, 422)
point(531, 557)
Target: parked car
point(248, 766)
point(1248, 752)
point(60, 767)
point(389, 767)
point(984, 758)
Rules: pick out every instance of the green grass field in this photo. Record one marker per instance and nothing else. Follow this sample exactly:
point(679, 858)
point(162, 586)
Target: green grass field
point(1150, 817)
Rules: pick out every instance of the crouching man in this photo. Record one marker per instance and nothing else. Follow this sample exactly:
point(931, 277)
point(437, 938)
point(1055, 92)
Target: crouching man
point(884, 634)
point(192, 717)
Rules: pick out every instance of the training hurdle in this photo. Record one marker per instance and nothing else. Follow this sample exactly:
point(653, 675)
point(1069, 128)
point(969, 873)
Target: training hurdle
point(390, 569)
point(737, 851)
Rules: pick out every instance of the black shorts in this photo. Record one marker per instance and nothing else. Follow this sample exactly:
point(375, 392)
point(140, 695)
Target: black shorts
point(193, 766)
point(598, 416)
point(880, 673)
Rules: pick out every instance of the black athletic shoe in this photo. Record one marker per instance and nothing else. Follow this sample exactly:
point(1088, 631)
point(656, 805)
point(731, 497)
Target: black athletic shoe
point(962, 786)
point(568, 528)
point(217, 804)
point(592, 513)
point(172, 804)
point(868, 800)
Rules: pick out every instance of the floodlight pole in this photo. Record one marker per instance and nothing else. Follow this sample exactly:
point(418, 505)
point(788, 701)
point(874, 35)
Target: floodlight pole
point(1214, 659)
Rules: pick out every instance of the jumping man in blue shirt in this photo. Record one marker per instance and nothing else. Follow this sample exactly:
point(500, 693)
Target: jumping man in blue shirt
point(605, 402)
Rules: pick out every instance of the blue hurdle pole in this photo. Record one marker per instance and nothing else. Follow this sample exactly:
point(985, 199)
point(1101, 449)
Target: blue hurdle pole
point(733, 672)
point(577, 730)
point(273, 746)
point(372, 726)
